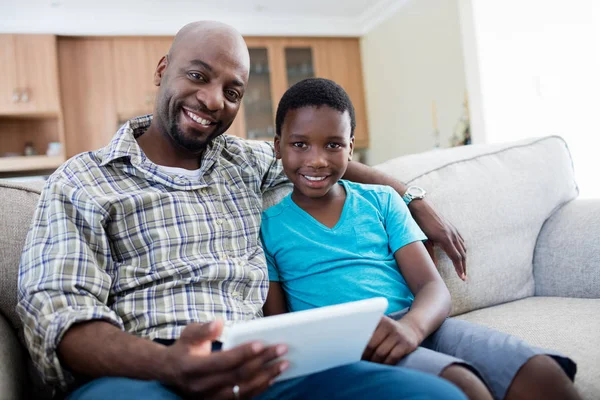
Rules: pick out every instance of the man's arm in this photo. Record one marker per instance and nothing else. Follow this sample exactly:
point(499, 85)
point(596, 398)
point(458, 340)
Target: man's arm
point(435, 226)
point(97, 349)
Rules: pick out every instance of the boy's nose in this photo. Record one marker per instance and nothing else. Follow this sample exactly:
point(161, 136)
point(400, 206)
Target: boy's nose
point(317, 160)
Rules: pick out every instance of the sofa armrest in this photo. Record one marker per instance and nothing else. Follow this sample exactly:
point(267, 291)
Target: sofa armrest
point(13, 373)
point(566, 261)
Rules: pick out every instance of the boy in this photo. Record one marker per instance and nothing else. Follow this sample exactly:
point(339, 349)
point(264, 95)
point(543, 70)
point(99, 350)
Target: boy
point(333, 241)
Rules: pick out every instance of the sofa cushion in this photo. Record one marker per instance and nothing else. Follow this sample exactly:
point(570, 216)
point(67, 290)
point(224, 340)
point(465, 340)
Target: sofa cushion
point(498, 197)
point(567, 325)
point(17, 205)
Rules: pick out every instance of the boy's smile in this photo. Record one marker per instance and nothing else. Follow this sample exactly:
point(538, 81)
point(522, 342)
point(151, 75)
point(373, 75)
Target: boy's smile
point(315, 147)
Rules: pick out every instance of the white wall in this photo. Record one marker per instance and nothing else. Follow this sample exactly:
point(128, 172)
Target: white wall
point(537, 72)
point(409, 60)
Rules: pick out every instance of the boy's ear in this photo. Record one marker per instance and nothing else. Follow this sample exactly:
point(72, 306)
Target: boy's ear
point(351, 148)
point(160, 69)
point(277, 144)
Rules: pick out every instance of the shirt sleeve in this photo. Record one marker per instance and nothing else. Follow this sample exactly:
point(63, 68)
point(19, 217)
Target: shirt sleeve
point(402, 229)
point(62, 274)
point(269, 167)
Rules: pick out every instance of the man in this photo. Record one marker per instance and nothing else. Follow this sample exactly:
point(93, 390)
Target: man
point(134, 244)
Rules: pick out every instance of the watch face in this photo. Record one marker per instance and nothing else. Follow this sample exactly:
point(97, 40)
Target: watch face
point(415, 191)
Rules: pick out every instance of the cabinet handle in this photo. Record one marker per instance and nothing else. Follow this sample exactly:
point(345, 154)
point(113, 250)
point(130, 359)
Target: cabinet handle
point(25, 95)
point(15, 96)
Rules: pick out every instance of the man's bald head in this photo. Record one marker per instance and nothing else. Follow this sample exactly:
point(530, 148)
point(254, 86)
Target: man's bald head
point(211, 33)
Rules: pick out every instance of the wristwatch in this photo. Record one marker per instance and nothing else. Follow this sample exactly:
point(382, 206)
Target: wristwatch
point(413, 193)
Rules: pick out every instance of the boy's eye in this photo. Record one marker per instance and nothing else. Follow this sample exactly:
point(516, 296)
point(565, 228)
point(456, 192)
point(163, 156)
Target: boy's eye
point(299, 144)
point(332, 145)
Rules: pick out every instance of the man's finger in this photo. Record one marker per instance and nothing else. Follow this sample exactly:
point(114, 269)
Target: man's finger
point(201, 332)
point(463, 252)
point(213, 380)
point(222, 361)
point(262, 381)
point(247, 390)
point(254, 366)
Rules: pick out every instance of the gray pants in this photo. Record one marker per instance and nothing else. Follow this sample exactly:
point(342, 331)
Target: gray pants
point(494, 356)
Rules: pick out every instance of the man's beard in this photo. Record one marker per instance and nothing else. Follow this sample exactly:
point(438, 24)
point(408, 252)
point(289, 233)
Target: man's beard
point(193, 144)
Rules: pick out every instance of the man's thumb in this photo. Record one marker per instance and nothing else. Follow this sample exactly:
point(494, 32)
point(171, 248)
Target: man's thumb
point(197, 333)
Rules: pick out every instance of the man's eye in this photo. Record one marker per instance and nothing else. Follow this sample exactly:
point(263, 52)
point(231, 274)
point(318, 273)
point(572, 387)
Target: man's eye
point(232, 95)
point(196, 76)
point(299, 144)
point(333, 145)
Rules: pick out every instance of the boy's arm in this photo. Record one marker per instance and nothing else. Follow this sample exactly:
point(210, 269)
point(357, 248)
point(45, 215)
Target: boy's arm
point(439, 230)
point(275, 303)
point(393, 340)
point(432, 299)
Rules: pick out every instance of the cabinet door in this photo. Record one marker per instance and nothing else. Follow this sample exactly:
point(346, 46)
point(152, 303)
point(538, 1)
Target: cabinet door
point(37, 74)
point(135, 60)
point(86, 75)
point(8, 74)
point(258, 108)
point(339, 60)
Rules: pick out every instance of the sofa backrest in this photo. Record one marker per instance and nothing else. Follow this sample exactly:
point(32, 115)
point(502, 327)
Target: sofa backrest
point(17, 205)
point(498, 197)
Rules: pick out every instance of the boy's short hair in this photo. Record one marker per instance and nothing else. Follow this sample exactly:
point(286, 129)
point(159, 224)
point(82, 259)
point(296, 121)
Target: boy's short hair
point(314, 92)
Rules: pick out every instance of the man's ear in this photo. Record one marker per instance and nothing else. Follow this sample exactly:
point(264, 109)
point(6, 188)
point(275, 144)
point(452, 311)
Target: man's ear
point(277, 143)
point(351, 148)
point(160, 69)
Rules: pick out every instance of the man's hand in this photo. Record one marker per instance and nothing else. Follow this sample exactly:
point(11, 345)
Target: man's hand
point(442, 233)
point(193, 369)
point(391, 341)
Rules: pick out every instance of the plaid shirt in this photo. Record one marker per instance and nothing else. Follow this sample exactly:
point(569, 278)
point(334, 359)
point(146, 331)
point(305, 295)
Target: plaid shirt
point(117, 239)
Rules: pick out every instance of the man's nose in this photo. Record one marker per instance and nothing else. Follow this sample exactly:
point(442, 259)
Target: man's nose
point(212, 97)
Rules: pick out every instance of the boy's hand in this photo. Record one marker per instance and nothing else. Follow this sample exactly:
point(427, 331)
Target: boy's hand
point(194, 370)
point(391, 341)
point(441, 233)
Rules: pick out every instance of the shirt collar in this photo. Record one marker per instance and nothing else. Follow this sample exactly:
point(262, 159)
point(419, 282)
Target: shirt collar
point(124, 145)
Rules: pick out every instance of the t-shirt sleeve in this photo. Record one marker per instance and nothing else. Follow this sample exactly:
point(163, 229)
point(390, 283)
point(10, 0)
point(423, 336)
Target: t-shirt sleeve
point(271, 265)
point(402, 229)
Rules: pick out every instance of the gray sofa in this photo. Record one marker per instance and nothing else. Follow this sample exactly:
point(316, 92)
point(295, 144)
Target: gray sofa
point(533, 250)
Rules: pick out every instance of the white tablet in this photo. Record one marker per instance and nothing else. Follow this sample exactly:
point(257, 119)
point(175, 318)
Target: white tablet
point(317, 339)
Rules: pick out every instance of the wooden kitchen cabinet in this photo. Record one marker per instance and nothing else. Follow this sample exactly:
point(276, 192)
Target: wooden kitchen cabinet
point(31, 124)
point(278, 63)
point(105, 81)
point(134, 62)
point(29, 82)
point(87, 91)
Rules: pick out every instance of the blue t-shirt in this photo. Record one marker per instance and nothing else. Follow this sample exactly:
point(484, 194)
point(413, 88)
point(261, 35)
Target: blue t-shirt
point(320, 266)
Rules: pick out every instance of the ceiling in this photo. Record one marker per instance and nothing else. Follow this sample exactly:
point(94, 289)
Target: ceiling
point(165, 17)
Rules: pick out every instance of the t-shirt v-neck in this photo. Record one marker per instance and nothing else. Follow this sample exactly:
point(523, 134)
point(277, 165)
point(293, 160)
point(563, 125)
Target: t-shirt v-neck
point(316, 222)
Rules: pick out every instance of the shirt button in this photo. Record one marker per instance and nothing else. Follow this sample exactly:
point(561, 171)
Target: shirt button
point(220, 221)
point(204, 190)
point(236, 295)
point(223, 257)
